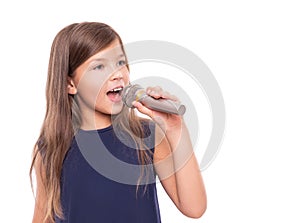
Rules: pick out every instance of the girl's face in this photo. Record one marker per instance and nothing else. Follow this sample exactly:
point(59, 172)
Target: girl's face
point(99, 81)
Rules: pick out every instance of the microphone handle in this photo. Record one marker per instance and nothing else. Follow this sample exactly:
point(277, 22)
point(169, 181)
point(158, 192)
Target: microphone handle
point(163, 105)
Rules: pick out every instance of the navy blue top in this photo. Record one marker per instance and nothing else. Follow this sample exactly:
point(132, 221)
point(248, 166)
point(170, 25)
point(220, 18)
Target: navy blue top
point(98, 182)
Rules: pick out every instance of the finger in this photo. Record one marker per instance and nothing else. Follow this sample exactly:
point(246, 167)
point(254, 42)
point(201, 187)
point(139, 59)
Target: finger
point(167, 95)
point(154, 92)
point(156, 88)
point(159, 120)
point(142, 109)
point(157, 92)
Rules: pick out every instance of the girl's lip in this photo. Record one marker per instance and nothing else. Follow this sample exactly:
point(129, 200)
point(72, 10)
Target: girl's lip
point(116, 87)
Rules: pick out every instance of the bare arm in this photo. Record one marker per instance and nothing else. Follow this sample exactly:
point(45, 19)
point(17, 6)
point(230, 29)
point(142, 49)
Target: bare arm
point(179, 173)
point(174, 160)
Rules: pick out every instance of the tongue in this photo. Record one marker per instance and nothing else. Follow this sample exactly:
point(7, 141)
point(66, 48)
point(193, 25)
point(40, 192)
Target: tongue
point(115, 97)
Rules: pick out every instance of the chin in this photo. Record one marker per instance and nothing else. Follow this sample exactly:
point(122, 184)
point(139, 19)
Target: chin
point(116, 109)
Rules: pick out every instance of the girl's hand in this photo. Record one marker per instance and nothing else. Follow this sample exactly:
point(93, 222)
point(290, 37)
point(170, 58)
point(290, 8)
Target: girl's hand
point(165, 121)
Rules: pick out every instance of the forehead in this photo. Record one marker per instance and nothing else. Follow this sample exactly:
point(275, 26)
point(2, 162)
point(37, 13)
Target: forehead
point(111, 50)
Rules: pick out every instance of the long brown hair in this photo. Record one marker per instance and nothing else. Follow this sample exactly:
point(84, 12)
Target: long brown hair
point(71, 47)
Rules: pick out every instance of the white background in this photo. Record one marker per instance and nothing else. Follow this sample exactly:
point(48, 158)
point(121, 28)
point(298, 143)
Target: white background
point(251, 47)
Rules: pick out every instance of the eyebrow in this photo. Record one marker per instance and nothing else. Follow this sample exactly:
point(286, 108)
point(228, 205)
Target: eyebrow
point(103, 59)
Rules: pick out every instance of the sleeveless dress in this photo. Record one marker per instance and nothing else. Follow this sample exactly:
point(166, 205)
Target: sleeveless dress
point(99, 175)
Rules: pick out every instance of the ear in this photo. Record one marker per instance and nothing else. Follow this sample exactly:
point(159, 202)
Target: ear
point(71, 86)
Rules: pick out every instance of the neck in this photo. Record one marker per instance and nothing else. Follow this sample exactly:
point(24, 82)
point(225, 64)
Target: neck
point(92, 120)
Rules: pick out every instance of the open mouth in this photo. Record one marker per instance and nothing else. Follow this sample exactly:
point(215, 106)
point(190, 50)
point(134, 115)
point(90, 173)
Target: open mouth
point(115, 94)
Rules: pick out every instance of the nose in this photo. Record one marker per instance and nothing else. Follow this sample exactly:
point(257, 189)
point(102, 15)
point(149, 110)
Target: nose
point(117, 75)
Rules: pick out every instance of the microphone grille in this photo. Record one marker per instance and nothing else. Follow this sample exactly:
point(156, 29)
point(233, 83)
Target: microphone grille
point(129, 94)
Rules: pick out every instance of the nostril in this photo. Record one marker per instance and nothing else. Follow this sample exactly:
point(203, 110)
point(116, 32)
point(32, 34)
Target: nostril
point(117, 76)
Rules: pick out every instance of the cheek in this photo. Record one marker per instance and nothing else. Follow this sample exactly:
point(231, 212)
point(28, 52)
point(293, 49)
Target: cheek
point(126, 77)
point(90, 89)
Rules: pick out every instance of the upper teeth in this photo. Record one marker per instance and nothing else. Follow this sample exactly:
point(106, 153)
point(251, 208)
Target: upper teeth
point(117, 89)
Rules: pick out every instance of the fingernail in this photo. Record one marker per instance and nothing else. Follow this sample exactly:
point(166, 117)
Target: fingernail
point(133, 103)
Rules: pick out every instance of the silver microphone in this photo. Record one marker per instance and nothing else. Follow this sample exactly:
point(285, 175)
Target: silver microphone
point(135, 92)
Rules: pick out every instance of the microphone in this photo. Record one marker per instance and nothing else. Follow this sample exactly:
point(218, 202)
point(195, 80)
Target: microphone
point(135, 92)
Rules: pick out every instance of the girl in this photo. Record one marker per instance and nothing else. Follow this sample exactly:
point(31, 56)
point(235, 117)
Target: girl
point(84, 117)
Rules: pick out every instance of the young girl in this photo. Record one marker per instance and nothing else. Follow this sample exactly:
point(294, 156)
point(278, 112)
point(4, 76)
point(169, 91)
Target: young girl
point(85, 116)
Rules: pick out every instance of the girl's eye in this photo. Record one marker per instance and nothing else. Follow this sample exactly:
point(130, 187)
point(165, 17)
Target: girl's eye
point(99, 67)
point(121, 63)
